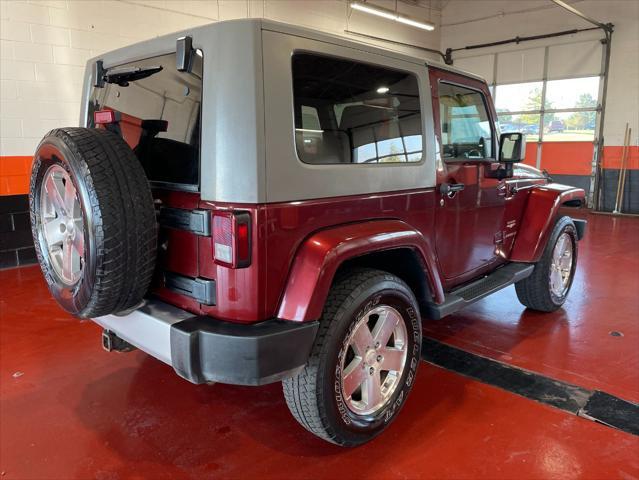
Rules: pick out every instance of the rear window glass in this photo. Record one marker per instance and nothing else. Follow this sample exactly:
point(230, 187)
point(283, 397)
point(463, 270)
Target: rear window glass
point(159, 117)
point(351, 112)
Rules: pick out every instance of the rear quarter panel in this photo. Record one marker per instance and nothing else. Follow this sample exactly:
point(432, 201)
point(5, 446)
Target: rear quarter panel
point(291, 225)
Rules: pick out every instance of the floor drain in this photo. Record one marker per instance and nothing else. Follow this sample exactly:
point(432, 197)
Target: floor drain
point(614, 333)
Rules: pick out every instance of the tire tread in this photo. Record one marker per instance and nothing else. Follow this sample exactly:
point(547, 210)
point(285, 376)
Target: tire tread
point(533, 291)
point(125, 228)
point(301, 391)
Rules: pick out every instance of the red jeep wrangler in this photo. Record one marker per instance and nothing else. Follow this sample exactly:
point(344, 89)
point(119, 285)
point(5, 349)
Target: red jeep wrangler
point(252, 202)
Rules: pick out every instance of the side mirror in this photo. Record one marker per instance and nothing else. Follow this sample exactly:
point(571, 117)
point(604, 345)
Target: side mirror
point(512, 147)
point(184, 54)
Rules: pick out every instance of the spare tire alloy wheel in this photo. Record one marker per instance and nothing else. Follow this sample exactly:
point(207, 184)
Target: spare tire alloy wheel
point(93, 221)
point(62, 224)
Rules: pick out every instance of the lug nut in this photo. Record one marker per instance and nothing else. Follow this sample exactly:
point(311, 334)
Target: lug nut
point(371, 370)
point(376, 344)
point(379, 358)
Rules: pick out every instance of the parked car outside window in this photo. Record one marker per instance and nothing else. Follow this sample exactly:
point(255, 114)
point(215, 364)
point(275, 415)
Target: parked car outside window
point(556, 126)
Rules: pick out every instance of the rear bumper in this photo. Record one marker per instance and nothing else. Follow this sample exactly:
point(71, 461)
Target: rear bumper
point(202, 349)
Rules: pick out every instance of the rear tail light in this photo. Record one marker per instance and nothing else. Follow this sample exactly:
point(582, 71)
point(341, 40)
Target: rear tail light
point(105, 117)
point(232, 239)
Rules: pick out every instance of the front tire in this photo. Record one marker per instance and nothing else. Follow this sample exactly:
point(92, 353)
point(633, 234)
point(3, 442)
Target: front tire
point(364, 360)
point(547, 288)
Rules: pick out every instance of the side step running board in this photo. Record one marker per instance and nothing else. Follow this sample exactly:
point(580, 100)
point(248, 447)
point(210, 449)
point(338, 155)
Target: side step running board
point(470, 293)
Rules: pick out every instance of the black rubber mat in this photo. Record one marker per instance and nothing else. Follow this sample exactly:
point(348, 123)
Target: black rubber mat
point(594, 405)
point(612, 411)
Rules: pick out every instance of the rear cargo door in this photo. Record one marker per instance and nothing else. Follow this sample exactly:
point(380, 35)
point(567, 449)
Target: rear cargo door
point(157, 110)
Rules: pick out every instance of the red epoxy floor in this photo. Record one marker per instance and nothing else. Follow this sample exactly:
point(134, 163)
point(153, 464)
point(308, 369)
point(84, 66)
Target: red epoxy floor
point(70, 410)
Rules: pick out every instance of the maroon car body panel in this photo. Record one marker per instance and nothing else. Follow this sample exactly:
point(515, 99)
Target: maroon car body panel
point(297, 246)
point(254, 293)
point(540, 214)
point(468, 226)
point(291, 224)
point(318, 259)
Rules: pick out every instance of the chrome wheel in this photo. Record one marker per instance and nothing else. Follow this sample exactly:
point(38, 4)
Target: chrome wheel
point(62, 224)
point(374, 361)
point(561, 265)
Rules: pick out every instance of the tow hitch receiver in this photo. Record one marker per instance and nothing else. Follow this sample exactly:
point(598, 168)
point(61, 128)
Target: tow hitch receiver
point(111, 342)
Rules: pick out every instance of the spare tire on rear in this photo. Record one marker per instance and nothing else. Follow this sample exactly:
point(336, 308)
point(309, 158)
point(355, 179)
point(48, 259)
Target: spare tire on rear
point(93, 221)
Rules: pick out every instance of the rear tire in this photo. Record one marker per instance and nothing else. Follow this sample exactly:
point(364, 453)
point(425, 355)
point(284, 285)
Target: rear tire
point(547, 288)
point(93, 221)
point(326, 398)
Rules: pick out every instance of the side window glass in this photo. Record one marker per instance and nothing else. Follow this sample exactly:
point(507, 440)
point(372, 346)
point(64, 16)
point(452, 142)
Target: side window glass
point(310, 119)
point(465, 125)
point(310, 136)
point(348, 112)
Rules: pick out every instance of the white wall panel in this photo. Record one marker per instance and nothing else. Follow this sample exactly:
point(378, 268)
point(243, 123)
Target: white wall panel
point(520, 66)
point(360, 22)
point(574, 60)
point(326, 15)
point(232, 9)
point(483, 65)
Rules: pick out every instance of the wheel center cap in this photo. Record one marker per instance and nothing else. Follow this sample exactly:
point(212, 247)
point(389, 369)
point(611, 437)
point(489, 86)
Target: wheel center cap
point(371, 357)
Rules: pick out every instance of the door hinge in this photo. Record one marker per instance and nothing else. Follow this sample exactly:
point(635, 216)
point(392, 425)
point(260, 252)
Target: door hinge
point(194, 221)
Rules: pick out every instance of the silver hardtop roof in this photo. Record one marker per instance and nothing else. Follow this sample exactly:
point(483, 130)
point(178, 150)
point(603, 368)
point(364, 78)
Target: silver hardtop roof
point(359, 44)
point(236, 106)
point(166, 44)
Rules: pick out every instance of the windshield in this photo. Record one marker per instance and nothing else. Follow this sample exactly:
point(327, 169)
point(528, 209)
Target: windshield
point(160, 115)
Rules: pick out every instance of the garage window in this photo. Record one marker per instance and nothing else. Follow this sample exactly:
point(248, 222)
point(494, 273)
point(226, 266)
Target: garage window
point(349, 112)
point(571, 106)
point(555, 111)
point(518, 106)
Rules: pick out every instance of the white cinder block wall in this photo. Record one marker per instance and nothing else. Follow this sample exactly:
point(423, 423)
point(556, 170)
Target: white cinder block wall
point(45, 44)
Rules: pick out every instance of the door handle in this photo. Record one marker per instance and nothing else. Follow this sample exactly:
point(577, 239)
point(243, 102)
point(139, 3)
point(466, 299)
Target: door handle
point(450, 189)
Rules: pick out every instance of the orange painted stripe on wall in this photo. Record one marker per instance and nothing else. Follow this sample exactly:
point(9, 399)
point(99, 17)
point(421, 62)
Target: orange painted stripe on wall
point(15, 172)
point(574, 158)
point(531, 154)
point(612, 158)
point(567, 158)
